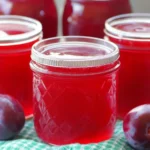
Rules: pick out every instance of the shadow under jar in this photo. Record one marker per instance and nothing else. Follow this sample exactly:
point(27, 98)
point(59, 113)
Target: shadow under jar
point(17, 35)
point(131, 32)
point(87, 17)
point(74, 85)
point(42, 10)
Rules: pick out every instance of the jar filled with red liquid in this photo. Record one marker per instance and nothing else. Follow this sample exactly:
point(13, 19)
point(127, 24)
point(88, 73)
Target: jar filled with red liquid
point(75, 88)
point(87, 17)
point(42, 10)
point(17, 35)
point(131, 32)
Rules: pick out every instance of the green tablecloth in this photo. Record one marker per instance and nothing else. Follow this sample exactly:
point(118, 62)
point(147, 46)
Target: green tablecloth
point(27, 140)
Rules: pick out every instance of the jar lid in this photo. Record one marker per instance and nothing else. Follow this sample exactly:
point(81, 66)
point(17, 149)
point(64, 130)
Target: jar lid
point(132, 26)
point(74, 51)
point(18, 29)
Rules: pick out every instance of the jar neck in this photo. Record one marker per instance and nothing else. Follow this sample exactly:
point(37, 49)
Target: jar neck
point(75, 71)
point(128, 43)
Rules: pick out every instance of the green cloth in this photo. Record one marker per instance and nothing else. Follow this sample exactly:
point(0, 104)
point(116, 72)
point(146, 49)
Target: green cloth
point(27, 140)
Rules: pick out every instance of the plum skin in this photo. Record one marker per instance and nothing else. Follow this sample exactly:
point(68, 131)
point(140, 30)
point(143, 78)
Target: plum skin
point(12, 118)
point(136, 126)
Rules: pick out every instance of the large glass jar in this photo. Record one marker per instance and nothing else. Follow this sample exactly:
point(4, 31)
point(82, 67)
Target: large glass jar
point(87, 17)
point(75, 84)
point(42, 10)
point(131, 32)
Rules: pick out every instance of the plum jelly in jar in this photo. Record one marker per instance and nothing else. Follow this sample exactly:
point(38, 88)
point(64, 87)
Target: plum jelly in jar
point(42, 10)
point(87, 17)
point(131, 32)
point(17, 35)
point(75, 89)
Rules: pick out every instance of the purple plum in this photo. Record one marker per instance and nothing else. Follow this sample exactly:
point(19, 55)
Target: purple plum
point(12, 117)
point(136, 126)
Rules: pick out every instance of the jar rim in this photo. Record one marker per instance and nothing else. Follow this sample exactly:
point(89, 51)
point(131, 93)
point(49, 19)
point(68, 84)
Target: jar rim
point(42, 50)
point(23, 37)
point(127, 18)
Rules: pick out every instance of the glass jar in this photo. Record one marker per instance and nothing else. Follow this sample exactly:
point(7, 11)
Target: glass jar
point(42, 10)
point(131, 32)
point(87, 17)
point(17, 35)
point(74, 85)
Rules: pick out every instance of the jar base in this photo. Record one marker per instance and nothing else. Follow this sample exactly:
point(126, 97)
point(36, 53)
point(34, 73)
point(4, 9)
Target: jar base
point(84, 141)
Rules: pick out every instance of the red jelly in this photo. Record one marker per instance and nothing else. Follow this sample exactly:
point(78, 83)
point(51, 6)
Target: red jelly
point(17, 35)
point(87, 17)
point(42, 10)
point(131, 33)
point(74, 85)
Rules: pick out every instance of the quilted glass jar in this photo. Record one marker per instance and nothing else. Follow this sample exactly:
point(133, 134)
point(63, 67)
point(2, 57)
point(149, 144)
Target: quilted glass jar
point(75, 87)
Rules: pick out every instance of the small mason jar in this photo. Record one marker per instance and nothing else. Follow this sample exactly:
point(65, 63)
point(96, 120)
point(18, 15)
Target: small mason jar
point(17, 35)
point(131, 32)
point(75, 89)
